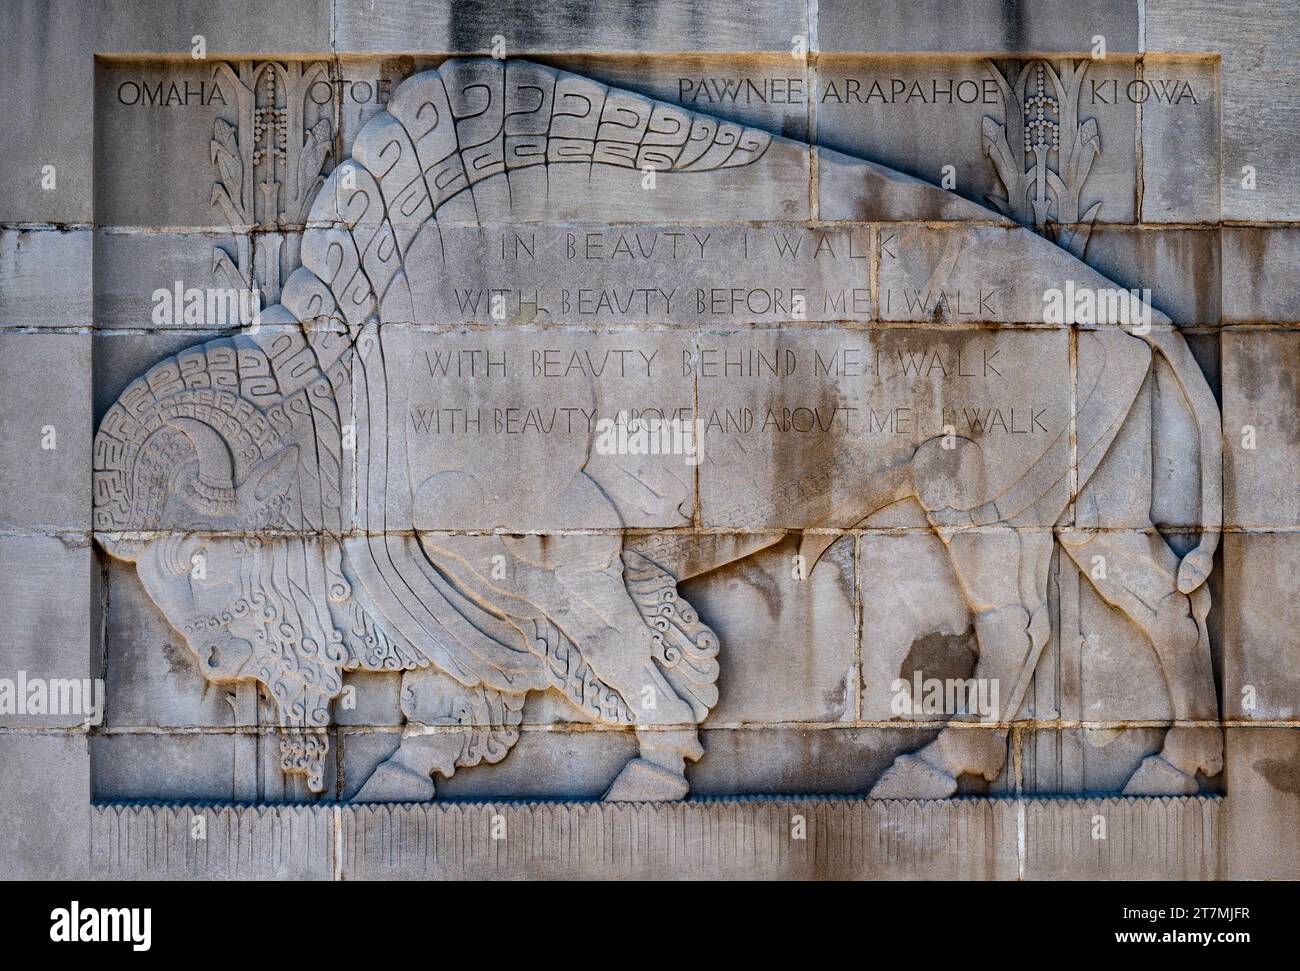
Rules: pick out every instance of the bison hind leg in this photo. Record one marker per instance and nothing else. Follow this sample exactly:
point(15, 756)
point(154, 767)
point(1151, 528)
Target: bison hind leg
point(1140, 580)
point(999, 571)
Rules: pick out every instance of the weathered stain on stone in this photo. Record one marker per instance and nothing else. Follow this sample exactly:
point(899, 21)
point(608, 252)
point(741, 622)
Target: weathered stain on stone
point(940, 655)
point(1282, 776)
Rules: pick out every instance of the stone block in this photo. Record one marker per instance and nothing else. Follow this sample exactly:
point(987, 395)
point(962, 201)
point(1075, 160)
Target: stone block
point(49, 637)
point(898, 26)
point(1261, 450)
point(1180, 838)
point(1115, 667)
point(764, 839)
point(1261, 275)
point(417, 26)
point(45, 278)
point(120, 357)
point(154, 679)
point(985, 274)
point(1263, 804)
point(945, 122)
point(1097, 666)
point(363, 752)
point(512, 432)
point(46, 49)
point(44, 805)
point(273, 365)
point(1079, 760)
point(768, 91)
point(1261, 650)
point(408, 510)
point(599, 145)
point(1124, 839)
point(549, 765)
point(798, 423)
point(197, 842)
point(374, 700)
point(1257, 46)
point(547, 708)
point(202, 112)
point(49, 49)
point(228, 27)
point(798, 761)
point(604, 276)
point(46, 424)
point(158, 281)
point(1179, 266)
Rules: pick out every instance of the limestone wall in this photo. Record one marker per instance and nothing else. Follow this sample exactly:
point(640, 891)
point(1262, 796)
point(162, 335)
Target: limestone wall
point(973, 334)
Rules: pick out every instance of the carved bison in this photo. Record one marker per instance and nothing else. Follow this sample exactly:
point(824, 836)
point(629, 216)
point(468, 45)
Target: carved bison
point(278, 459)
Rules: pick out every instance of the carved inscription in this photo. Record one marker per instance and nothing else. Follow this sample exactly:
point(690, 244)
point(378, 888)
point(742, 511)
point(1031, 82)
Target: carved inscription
point(677, 274)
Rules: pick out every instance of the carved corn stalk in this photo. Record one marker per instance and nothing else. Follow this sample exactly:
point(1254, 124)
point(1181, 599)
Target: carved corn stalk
point(1044, 153)
point(268, 167)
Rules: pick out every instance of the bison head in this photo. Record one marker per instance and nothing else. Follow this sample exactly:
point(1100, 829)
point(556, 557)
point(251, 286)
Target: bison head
point(207, 478)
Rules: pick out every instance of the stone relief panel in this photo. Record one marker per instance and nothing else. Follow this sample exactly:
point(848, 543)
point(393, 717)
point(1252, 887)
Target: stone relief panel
point(522, 404)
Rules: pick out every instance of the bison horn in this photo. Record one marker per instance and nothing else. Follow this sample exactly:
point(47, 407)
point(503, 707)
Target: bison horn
point(215, 484)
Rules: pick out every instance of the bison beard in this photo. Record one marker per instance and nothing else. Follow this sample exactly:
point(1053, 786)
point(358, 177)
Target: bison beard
point(300, 652)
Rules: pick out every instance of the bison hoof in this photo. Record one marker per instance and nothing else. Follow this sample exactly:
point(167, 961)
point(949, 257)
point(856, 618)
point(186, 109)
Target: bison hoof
point(1156, 777)
point(1194, 749)
point(644, 781)
point(911, 777)
point(395, 783)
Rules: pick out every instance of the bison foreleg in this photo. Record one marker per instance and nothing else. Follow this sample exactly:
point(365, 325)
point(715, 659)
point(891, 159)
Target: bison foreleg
point(407, 775)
